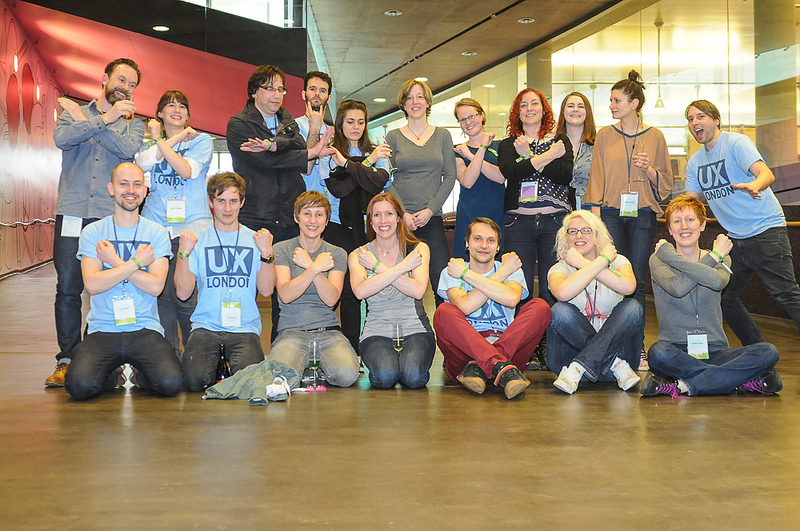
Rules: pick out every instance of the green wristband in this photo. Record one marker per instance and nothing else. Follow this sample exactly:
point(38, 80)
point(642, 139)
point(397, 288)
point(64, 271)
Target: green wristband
point(135, 261)
point(375, 267)
point(716, 253)
point(484, 146)
point(367, 163)
point(607, 258)
point(464, 273)
point(183, 255)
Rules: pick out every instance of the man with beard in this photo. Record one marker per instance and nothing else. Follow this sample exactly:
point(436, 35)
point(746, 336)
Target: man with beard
point(733, 177)
point(94, 139)
point(124, 260)
point(475, 327)
point(316, 93)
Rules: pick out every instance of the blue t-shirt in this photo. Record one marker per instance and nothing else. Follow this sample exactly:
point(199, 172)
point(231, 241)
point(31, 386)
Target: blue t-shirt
point(166, 184)
point(326, 166)
point(312, 179)
point(712, 173)
point(484, 199)
point(125, 240)
point(226, 268)
point(492, 315)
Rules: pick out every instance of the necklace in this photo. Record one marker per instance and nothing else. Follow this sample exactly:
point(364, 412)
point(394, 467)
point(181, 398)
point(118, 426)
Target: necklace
point(418, 136)
point(383, 253)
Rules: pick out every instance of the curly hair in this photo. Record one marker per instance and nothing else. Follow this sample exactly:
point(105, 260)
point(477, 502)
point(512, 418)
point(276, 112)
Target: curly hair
point(600, 233)
point(514, 126)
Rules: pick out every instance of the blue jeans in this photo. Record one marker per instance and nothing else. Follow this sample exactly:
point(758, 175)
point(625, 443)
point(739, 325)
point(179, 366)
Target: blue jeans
point(102, 352)
point(571, 337)
point(173, 312)
point(69, 286)
point(433, 234)
point(337, 359)
point(533, 238)
point(411, 366)
point(769, 255)
point(723, 371)
point(634, 238)
point(202, 355)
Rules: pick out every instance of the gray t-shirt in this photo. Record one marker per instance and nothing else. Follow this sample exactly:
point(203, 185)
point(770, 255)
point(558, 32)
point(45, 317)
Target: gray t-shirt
point(307, 312)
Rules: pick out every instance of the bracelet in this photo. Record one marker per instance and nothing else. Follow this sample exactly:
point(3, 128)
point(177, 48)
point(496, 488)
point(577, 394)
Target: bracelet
point(529, 154)
point(484, 146)
point(367, 163)
point(607, 258)
point(464, 273)
point(375, 267)
point(183, 255)
point(135, 261)
point(270, 144)
point(716, 253)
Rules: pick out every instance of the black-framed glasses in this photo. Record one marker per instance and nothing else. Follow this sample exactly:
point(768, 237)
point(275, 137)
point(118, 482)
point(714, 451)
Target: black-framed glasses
point(585, 230)
point(270, 88)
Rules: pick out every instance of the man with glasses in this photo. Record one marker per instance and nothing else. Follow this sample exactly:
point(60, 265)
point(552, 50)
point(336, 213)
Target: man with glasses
point(269, 153)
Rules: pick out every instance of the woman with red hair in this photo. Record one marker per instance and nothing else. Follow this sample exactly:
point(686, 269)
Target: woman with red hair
point(537, 165)
point(391, 273)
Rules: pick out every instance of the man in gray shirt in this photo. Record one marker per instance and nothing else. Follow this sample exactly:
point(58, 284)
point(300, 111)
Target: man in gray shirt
point(94, 139)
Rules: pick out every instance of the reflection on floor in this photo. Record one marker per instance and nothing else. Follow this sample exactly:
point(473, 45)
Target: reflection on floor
point(365, 459)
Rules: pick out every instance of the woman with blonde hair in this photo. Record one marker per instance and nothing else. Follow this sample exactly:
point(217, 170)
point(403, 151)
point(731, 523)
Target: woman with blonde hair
point(595, 332)
point(391, 273)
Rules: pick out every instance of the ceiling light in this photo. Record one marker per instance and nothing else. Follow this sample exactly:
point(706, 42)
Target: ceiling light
point(393, 13)
point(469, 54)
point(526, 20)
point(379, 100)
point(288, 22)
point(490, 85)
point(160, 28)
point(421, 78)
point(501, 114)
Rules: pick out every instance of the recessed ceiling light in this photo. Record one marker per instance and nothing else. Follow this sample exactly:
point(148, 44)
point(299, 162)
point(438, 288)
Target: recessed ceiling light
point(490, 85)
point(160, 28)
point(421, 78)
point(469, 54)
point(379, 100)
point(501, 114)
point(526, 20)
point(393, 13)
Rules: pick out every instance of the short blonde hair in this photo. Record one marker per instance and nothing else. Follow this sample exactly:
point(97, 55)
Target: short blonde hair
point(405, 90)
point(600, 233)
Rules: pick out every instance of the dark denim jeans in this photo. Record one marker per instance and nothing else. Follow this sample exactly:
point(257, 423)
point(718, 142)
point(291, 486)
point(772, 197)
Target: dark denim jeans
point(173, 312)
point(533, 238)
point(69, 286)
point(202, 355)
point(723, 371)
point(102, 352)
point(411, 366)
point(769, 255)
point(634, 239)
point(433, 234)
point(571, 337)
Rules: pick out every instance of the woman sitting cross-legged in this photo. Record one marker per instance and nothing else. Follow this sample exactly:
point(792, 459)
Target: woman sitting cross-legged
point(595, 332)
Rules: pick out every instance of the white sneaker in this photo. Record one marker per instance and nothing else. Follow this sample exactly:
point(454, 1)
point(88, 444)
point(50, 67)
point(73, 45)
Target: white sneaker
point(279, 389)
point(569, 378)
point(625, 376)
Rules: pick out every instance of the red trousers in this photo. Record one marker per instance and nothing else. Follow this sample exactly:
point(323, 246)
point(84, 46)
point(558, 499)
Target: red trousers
point(460, 343)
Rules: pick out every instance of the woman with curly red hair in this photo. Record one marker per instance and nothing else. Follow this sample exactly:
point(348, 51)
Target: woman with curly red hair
point(537, 165)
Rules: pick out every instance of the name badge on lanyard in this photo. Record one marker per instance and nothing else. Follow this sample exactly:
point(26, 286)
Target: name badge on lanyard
point(529, 191)
point(629, 204)
point(124, 310)
point(697, 344)
point(231, 312)
point(176, 210)
point(71, 226)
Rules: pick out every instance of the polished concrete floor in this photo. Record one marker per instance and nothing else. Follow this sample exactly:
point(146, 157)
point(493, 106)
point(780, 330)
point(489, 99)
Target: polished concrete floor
point(360, 458)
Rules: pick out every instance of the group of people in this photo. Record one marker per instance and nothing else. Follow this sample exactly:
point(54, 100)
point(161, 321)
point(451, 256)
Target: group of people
point(318, 217)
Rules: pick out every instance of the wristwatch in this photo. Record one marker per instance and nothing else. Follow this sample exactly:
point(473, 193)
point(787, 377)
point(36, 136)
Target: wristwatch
point(269, 259)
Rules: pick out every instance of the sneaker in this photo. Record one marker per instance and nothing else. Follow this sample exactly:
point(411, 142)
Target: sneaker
point(537, 362)
point(569, 378)
point(509, 378)
point(57, 378)
point(768, 383)
point(625, 376)
point(279, 390)
point(473, 378)
point(643, 365)
point(653, 385)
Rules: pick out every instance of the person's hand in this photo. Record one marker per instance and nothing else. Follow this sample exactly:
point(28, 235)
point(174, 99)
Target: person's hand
point(106, 252)
point(510, 262)
point(186, 242)
point(188, 133)
point(486, 138)
point(455, 267)
point(301, 258)
point(641, 161)
point(366, 259)
point(256, 145)
point(315, 118)
point(120, 109)
point(422, 217)
point(660, 242)
point(750, 188)
point(154, 126)
point(321, 149)
point(723, 245)
point(381, 151)
point(557, 149)
point(324, 262)
point(410, 221)
point(145, 256)
point(610, 251)
point(522, 145)
point(72, 108)
point(412, 260)
point(263, 240)
point(463, 150)
point(575, 259)
point(338, 158)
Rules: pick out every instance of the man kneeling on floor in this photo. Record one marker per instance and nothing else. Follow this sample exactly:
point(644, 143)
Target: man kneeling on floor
point(229, 262)
point(475, 328)
point(124, 261)
point(692, 355)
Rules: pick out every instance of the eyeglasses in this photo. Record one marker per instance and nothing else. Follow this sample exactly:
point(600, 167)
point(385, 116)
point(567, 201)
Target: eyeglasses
point(270, 88)
point(585, 230)
point(467, 119)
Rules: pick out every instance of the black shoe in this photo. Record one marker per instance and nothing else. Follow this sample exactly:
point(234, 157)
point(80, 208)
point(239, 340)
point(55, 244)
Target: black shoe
point(768, 383)
point(511, 379)
point(537, 362)
point(473, 378)
point(654, 384)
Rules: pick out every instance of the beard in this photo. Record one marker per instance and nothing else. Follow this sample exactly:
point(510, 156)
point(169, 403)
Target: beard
point(110, 94)
point(128, 206)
